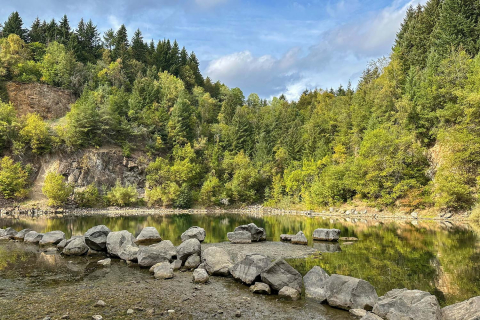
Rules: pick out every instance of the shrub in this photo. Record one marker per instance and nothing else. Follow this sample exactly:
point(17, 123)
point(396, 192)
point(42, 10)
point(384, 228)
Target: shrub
point(475, 215)
point(184, 199)
point(13, 179)
point(122, 196)
point(56, 189)
point(36, 133)
point(211, 191)
point(88, 198)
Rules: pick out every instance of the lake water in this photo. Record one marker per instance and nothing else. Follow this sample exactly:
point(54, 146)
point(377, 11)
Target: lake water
point(441, 258)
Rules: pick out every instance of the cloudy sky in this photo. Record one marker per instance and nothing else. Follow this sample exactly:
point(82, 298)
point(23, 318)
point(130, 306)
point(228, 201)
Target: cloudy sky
point(264, 46)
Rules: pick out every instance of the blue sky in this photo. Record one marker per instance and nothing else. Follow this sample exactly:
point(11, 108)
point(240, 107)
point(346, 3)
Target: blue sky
point(269, 47)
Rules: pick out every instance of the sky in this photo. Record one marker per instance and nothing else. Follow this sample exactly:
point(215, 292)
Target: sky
point(268, 47)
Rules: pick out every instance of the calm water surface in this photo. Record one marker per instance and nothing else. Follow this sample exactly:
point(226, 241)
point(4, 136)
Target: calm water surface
point(441, 258)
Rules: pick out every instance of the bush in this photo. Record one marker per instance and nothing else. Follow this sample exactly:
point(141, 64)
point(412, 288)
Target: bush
point(184, 199)
point(211, 191)
point(88, 198)
point(122, 196)
point(56, 189)
point(13, 179)
point(475, 215)
point(36, 133)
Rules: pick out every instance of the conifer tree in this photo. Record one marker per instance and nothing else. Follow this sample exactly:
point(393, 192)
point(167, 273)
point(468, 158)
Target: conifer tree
point(121, 44)
point(139, 49)
point(14, 25)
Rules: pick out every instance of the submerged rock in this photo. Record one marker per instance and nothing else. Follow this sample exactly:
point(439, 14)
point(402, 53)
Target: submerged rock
point(148, 235)
point(194, 233)
point(187, 248)
point(217, 261)
point(96, 237)
point(258, 234)
point(316, 281)
point(76, 247)
point(33, 237)
point(200, 276)
point(239, 237)
point(280, 274)
point(350, 293)
point(466, 310)
point(116, 241)
point(326, 234)
point(249, 269)
point(160, 252)
point(52, 238)
point(300, 238)
point(260, 288)
point(289, 293)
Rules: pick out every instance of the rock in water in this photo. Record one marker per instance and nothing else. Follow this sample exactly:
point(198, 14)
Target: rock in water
point(316, 281)
point(52, 238)
point(96, 237)
point(160, 252)
point(260, 288)
point(466, 310)
point(239, 237)
point(194, 233)
point(280, 274)
point(163, 271)
point(192, 262)
point(408, 304)
point(299, 238)
point(117, 240)
point(76, 247)
point(200, 276)
point(286, 237)
point(258, 234)
point(289, 293)
point(21, 234)
point(326, 234)
point(33, 237)
point(217, 261)
point(148, 235)
point(249, 269)
point(187, 248)
point(350, 293)
point(324, 246)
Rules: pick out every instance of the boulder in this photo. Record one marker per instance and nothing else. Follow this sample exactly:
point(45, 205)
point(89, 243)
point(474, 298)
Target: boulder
point(21, 234)
point(187, 248)
point(117, 240)
point(326, 234)
point(405, 304)
point(359, 313)
point(194, 233)
point(316, 281)
point(249, 269)
point(280, 274)
point(52, 238)
point(258, 234)
point(96, 237)
point(466, 310)
point(177, 265)
point(239, 237)
point(372, 316)
point(260, 288)
point(217, 261)
point(148, 235)
point(62, 244)
point(299, 238)
point(8, 233)
point(76, 247)
point(289, 293)
point(163, 271)
point(160, 252)
point(129, 253)
point(33, 237)
point(350, 293)
point(200, 276)
point(286, 237)
point(192, 262)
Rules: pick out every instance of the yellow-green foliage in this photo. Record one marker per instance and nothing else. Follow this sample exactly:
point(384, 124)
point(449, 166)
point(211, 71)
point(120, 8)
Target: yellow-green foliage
point(122, 196)
point(211, 191)
point(58, 65)
point(13, 52)
point(8, 124)
point(89, 197)
point(36, 133)
point(56, 189)
point(13, 179)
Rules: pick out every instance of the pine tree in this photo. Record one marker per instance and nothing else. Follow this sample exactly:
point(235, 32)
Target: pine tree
point(14, 25)
point(174, 59)
point(139, 49)
point(36, 33)
point(64, 30)
point(121, 44)
point(109, 39)
point(195, 67)
point(51, 32)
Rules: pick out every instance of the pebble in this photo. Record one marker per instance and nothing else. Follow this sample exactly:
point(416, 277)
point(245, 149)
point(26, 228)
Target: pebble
point(129, 311)
point(65, 316)
point(97, 317)
point(238, 314)
point(100, 303)
point(171, 311)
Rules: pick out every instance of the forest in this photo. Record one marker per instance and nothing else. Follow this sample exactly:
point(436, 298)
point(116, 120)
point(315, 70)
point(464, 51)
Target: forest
point(407, 135)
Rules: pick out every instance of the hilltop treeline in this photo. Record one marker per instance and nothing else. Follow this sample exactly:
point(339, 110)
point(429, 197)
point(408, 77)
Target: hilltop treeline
point(408, 135)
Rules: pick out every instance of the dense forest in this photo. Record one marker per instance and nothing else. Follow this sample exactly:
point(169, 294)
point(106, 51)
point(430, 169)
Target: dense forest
point(408, 134)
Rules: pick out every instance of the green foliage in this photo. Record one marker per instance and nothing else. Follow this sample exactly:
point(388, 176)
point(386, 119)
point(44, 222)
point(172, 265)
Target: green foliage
point(122, 196)
point(8, 124)
point(211, 191)
point(56, 189)
point(35, 133)
point(58, 65)
point(13, 179)
point(89, 197)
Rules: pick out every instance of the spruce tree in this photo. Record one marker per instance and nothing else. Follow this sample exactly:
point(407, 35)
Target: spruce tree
point(121, 44)
point(36, 32)
point(64, 30)
point(139, 49)
point(14, 25)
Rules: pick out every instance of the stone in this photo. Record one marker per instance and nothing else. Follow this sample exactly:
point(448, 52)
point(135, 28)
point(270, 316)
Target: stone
point(372, 316)
point(8, 233)
point(105, 262)
point(130, 311)
point(358, 312)
point(160, 252)
point(260, 288)
point(129, 253)
point(194, 233)
point(414, 215)
point(300, 238)
point(96, 237)
point(20, 235)
point(76, 247)
point(52, 238)
point(326, 234)
point(217, 261)
point(289, 293)
point(187, 248)
point(97, 317)
point(192, 262)
point(239, 237)
point(177, 265)
point(117, 240)
point(200, 276)
point(280, 274)
point(249, 269)
point(238, 314)
point(92, 253)
point(316, 281)
point(33, 237)
point(466, 310)
point(286, 237)
point(163, 271)
point(258, 234)
point(100, 303)
point(405, 304)
point(148, 235)
point(350, 293)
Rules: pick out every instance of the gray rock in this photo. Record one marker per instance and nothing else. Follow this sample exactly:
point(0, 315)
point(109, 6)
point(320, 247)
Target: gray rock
point(8, 233)
point(408, 304)
point(65, 242)
point(194, 233)
point(466, 310)
point(96, 237)
point(326, 234)
point(286, 237)
point(280, 274)
point(359, 313)
point(97, 317)
point(289, 293)
point(33, 237)
point(299, 238)
point(163, 271)
point(372, 316)
point(160, 252)
point(249, 269)
point(130, 311)
point(239, 237)
point(117, 240)
point(316, 281)
point(192, 262)
point(21, 234)
point(350, 293)
point(187, 248)
point(177, 265)
point(258, 234)
point(52, 238)
point(76, 247)
point(100, 303)
point(200, 276)
point(260, 288)
point(148, 235)
point(129, 253)
point(105, 262)
point(217, 261)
